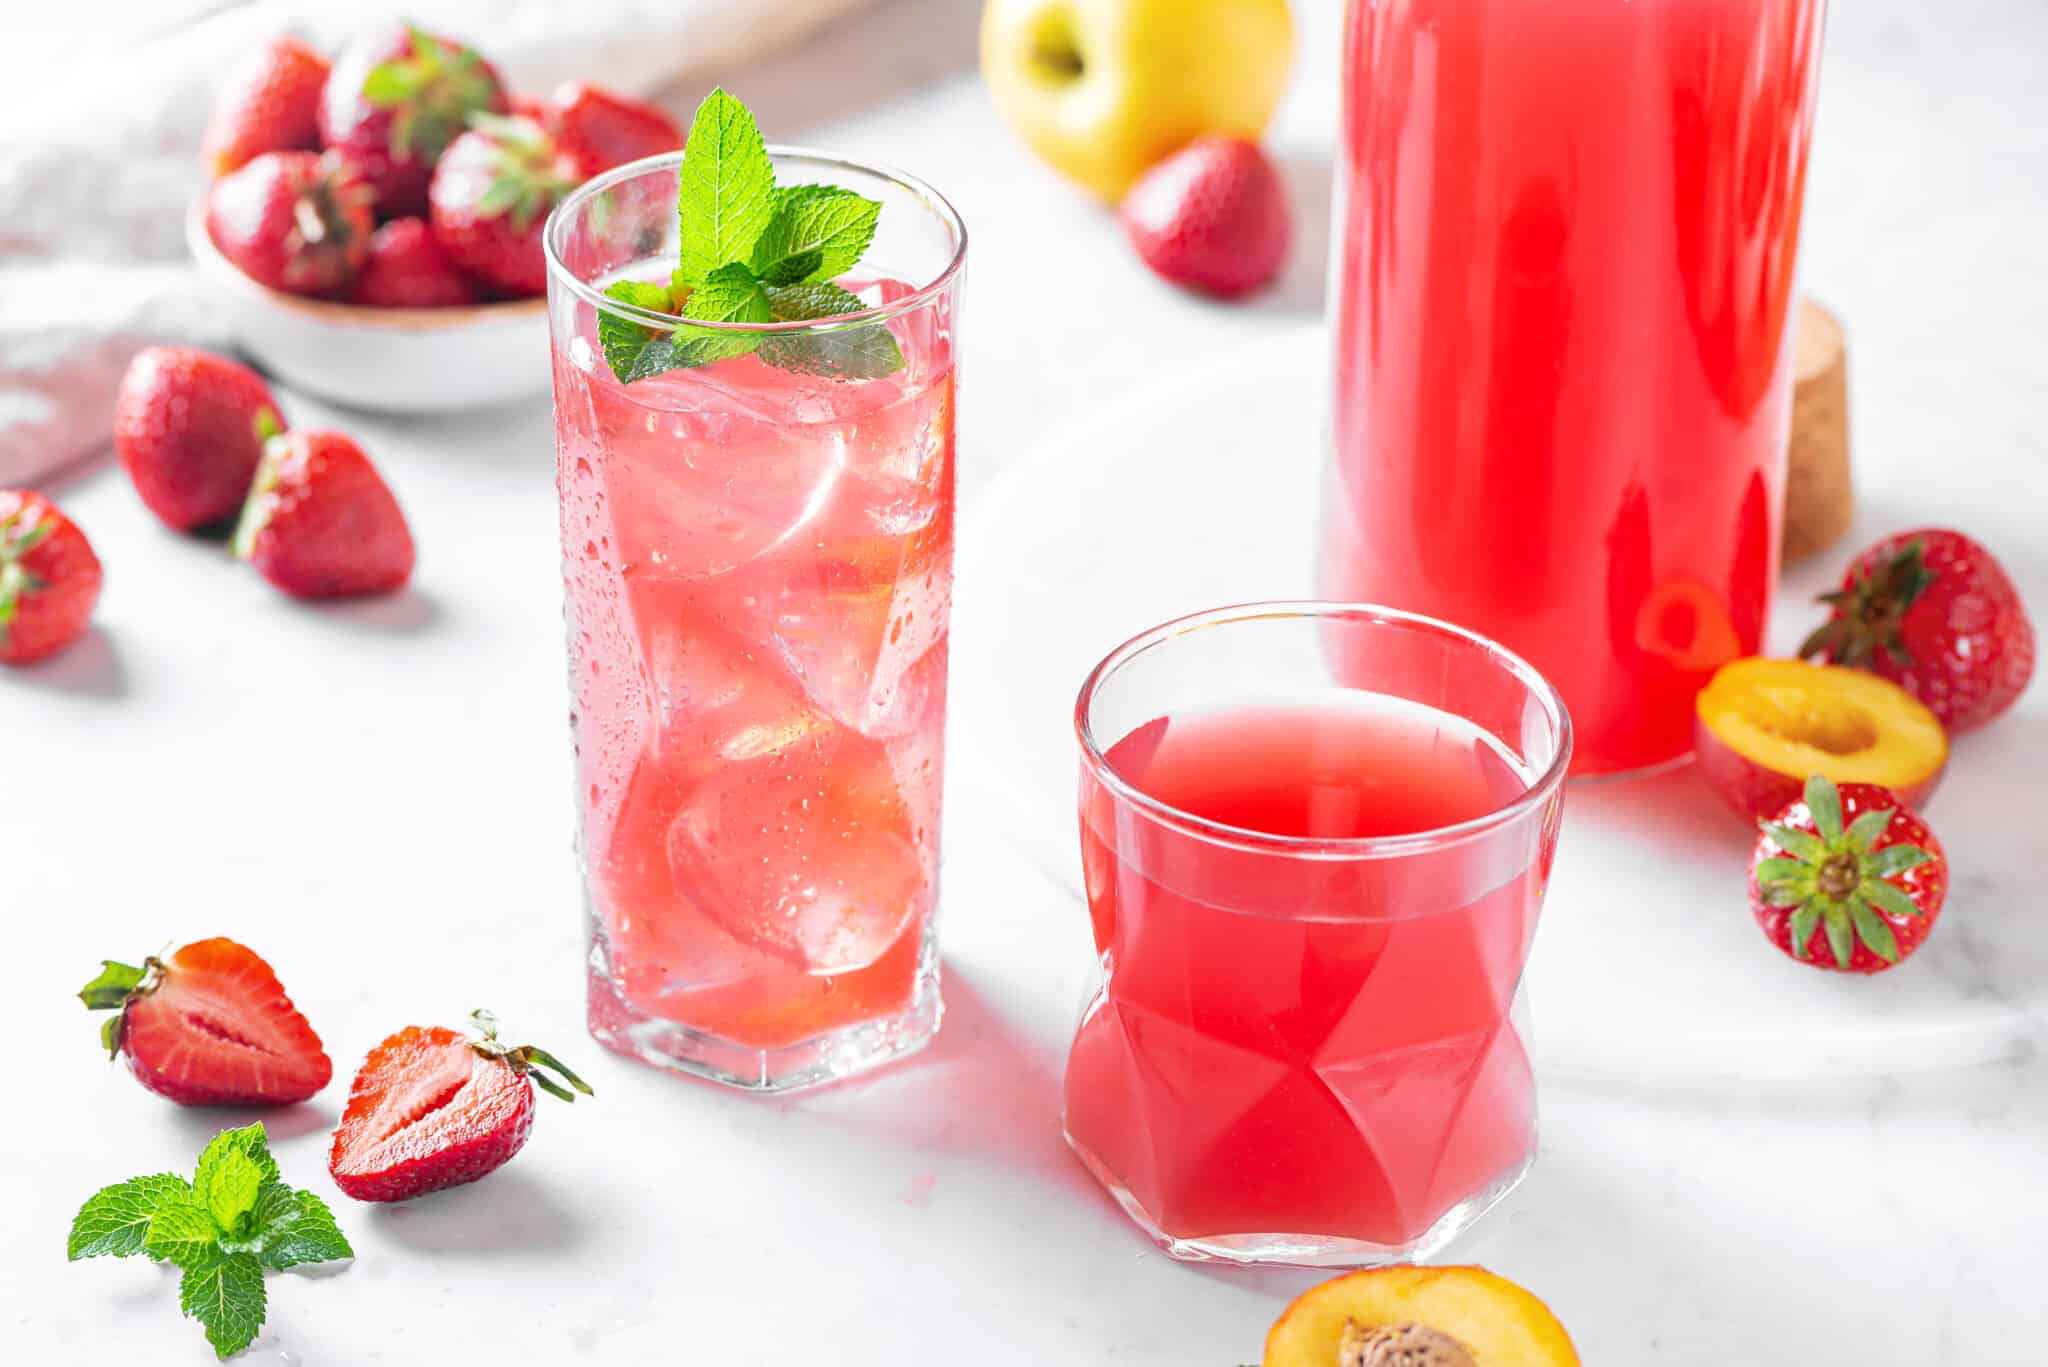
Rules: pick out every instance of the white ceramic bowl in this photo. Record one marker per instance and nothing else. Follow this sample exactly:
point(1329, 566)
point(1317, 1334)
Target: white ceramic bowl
point(389, 360)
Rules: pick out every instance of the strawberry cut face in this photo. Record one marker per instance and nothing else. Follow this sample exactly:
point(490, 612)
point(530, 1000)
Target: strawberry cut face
point(431, 1108)
point(217, 1029)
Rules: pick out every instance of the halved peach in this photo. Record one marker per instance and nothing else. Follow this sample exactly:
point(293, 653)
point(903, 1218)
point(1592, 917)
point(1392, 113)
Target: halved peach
point(1763, 727)
point(1439, 1316)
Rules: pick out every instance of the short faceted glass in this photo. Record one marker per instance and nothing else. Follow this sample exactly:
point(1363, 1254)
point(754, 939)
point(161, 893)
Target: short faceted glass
point(1304, 1049)
point(757, 556)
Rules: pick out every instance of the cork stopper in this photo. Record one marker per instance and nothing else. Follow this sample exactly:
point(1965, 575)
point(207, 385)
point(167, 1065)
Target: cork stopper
point(1819, 500)
point(1400, 1345)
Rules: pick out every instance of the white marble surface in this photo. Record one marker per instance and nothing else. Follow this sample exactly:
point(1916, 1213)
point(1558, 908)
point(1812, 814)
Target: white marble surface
point(377, 797)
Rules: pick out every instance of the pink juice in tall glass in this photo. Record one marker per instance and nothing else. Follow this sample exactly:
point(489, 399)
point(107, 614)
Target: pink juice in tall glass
point(1566, 232)
point(759, 569)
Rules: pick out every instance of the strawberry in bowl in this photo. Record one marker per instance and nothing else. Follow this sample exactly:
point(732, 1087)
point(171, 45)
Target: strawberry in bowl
point(394, 101)
point(315, 235)
point(491, 196)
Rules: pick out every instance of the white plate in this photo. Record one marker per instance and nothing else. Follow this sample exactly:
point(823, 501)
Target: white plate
point(386, 360)
point(1648, 968)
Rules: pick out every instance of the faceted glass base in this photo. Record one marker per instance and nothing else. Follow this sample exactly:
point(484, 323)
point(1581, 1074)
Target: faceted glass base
point(624, 1028)
point(1307, 1250)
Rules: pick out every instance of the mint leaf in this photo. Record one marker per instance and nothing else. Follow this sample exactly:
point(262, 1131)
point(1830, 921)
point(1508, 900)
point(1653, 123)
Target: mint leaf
point(225, 1294)
point(182, 1232)
point(727, 186)
point(232, 1191)
point(223, 1229)
point(312, 1238)
point(864, 352)
point(814, 235)
point(633, 350)
point(114, 1221)
point(110, 989)
point(729, 294)
point(290, 1227)
point(217, 1164)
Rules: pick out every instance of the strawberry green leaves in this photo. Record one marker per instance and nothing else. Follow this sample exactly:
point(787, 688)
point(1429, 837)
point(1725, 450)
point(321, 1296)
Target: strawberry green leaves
point(745, 243)
point(222, 1229)
point(1835, 880)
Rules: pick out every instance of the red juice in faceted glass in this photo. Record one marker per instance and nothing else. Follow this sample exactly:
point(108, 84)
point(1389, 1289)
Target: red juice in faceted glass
point(1565, 239)
point(1298, 1055)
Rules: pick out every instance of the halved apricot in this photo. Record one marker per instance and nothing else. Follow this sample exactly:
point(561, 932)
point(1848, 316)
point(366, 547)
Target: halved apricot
point(1763, 727)
point(1442, 1316)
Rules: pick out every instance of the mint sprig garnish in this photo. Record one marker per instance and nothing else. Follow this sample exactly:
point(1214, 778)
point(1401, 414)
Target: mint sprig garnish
point(752, 252)
point(223, 1229)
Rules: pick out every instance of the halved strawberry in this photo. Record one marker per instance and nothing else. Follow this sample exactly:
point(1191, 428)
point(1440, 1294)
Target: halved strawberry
point(431, 1108)
point(209, 1026)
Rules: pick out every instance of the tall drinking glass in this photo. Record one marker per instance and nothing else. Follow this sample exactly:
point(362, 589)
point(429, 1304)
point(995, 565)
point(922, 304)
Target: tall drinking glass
point(758, 564)
point(1312, 900)
point(1565, 233)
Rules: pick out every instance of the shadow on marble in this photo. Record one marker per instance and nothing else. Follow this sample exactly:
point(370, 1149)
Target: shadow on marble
point(513, 1213)
point(196, 1125)
point(1675, 811)
point(89, 668)
point(1000, 1092)
point(400, 614)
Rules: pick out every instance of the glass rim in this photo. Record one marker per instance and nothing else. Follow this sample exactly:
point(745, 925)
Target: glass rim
point(932, 200)
point(1246, 838)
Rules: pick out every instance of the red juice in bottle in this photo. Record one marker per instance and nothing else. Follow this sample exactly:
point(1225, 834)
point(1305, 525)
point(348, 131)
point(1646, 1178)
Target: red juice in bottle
point(1311, 1046)
point(1565, 236)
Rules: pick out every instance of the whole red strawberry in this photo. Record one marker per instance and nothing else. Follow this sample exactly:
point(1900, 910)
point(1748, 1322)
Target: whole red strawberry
point(1213, 217)
point(598, 130)
point(270, 102)
point(490, 199)
point(320, 521)
point(431, 1108)
point(1934, 612)
point(209, 1026)
point(49, 578)
point(1847, 879)
point(296, 221)
point(189, 428)
point(407, 270)
point(395, 99)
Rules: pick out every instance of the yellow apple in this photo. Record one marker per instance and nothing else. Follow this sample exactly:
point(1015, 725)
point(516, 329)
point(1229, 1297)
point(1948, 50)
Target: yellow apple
point(1102, 89)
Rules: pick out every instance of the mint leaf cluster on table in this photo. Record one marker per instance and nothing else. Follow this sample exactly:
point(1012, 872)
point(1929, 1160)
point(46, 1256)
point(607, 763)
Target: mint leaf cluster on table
point(752, 251)
point(223, 1229)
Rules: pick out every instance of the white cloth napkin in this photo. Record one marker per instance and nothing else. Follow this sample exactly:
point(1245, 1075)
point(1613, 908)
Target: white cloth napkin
point(99, 160)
